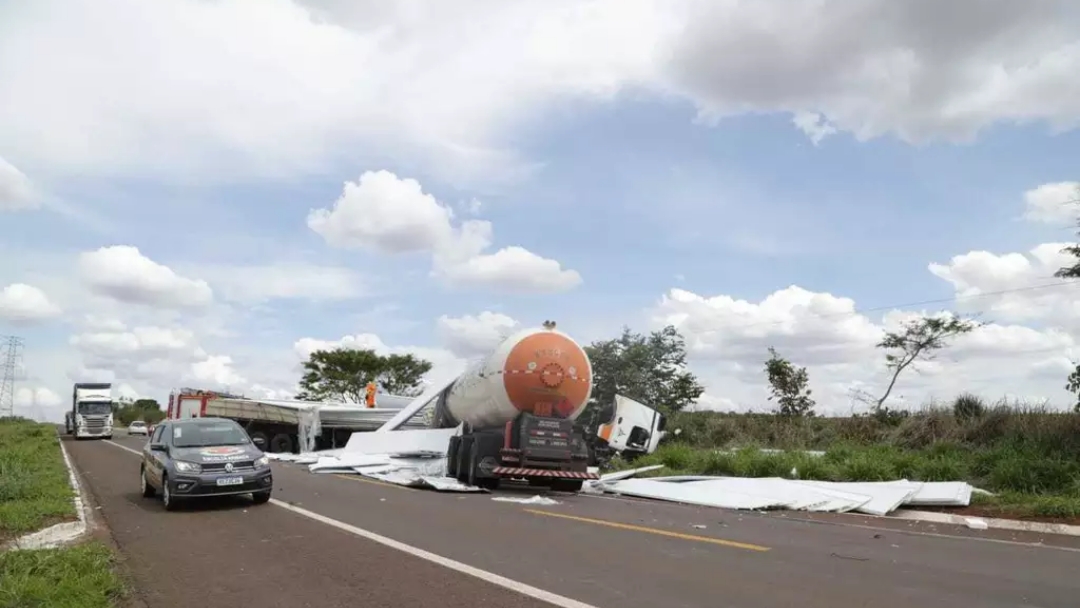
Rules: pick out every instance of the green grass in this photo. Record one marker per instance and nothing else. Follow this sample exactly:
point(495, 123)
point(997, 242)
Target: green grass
point(35, 490)
point(74, 577)
point(998, 469)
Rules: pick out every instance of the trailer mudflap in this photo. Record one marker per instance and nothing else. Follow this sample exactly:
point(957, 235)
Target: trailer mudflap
point(549, 473)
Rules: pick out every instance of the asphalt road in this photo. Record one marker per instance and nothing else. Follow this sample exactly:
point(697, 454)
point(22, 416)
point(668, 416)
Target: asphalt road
point(599, 551)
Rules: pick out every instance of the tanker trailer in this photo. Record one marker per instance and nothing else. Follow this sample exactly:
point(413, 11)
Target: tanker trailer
point(517, 409)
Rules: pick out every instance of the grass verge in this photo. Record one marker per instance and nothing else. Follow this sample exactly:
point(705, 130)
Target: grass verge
point(35, 489)
point(35, 492)
point(74, 577)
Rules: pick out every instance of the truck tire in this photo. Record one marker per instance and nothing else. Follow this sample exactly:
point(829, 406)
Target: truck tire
point(451, 456)
point(483, 446)
point(463, 452)
point(281, 443)
point(265, 439)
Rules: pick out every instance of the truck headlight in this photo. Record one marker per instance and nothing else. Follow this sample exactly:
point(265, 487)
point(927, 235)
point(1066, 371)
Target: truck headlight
point(187, 467)
point(262, 461)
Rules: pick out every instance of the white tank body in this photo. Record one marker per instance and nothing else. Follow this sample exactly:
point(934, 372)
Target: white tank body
point(538, 371)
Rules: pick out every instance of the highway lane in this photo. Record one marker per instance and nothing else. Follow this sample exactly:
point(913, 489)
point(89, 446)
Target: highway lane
point(232, 553)
point(644, 554)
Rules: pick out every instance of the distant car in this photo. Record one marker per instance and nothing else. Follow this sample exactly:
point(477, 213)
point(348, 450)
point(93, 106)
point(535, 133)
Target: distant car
point(138, 428)
point(202, 457)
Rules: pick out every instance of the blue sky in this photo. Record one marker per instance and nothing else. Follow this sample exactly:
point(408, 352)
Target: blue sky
point(602, 159)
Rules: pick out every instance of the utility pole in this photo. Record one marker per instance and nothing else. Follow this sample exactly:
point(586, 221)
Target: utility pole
point(10, 356)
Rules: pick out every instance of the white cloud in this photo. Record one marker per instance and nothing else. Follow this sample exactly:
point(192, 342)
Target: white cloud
point(148, 359)
point(728, 338)
point(39, 403)
point(22, 304)
point(1032, 294)
point(183, 87)
point(387, 214)
point(16, 191)
point(919, 70)
point(122, 272)
point(285, 280)
point(216, 370)
point(1054, 203)
point(470, 336)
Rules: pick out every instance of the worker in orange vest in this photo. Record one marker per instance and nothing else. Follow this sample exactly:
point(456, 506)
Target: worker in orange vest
point(369, 397)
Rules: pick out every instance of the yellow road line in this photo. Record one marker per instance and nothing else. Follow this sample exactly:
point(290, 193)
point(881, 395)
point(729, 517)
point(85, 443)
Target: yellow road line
point(657, 531)
point(373, 482)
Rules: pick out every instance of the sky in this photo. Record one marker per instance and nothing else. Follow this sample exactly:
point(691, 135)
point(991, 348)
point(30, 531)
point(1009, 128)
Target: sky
point(202, 192)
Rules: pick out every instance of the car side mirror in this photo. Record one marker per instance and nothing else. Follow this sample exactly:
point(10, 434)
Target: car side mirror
point(259, 442)
point(158, 447)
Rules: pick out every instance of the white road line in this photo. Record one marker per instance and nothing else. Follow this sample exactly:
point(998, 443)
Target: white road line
point(446, 562)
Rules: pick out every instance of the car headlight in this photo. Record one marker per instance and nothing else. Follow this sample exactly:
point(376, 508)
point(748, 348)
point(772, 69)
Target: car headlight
point(262, 461)
point(187, 467)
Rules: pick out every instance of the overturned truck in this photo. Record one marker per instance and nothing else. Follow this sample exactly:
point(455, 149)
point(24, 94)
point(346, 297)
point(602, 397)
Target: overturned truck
point(516, 410)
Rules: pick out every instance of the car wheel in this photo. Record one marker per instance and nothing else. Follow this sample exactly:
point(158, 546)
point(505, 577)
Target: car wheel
point(166, 495)
point(147, 489)
point(261, 497)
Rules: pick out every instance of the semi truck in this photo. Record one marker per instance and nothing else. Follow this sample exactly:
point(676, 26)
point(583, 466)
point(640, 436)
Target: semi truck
point(516, 410)
point(287, 425)
point(91, 413)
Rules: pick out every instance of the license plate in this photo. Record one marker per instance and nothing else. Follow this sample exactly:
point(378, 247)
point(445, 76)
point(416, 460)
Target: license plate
point(230, 481)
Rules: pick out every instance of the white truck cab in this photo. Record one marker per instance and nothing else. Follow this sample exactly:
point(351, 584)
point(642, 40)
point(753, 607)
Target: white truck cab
point(91, 410)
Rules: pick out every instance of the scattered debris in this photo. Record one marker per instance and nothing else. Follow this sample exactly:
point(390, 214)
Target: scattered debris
point(976, 523)
point(852, 558)
point(699, 526)
point(535, 500)
point(873, 498)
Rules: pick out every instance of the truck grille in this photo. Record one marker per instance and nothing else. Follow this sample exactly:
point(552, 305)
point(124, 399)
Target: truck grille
point(94, 424)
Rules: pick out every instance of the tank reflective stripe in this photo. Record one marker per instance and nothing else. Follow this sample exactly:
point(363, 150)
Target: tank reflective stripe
point(522, 472)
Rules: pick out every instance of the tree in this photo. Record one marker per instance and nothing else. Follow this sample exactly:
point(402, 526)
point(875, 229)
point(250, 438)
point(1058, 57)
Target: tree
point(1071, 272)
point(343, 374)
point(148, 410)
point(917, 340)
point(788, 385)
point(648, 368)
point(1073, 386)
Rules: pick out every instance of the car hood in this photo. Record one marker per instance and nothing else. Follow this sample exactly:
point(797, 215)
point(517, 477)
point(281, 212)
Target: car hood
point(222, 453)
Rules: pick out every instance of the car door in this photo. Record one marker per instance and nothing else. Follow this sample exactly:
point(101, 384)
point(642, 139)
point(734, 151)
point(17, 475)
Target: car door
point(155, 460)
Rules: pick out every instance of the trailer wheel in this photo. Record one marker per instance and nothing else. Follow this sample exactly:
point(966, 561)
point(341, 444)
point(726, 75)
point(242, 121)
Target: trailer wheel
point(451, 456)
point(475, 456)
point(463, 452)
point(281, 443)
point(260, 434)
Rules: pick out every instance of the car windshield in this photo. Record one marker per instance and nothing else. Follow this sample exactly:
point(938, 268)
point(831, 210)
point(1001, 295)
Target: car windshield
point(205, 434)
point(138, 424)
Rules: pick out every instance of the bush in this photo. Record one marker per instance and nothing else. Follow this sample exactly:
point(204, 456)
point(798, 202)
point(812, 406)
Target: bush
point(967, 406)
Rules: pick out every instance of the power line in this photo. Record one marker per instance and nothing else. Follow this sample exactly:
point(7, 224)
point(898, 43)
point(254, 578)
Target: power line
point(9, 371)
